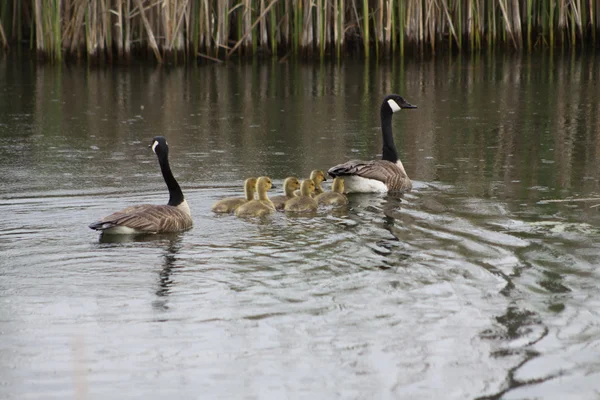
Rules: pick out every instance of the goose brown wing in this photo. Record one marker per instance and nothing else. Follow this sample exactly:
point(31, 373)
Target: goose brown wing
point(379, 170)
point(147, 218)
point(390, 173)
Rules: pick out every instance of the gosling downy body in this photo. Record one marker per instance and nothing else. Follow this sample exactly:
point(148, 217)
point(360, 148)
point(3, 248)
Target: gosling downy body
point(304, 202)
point(334, 198)
point(261, 207)
point(290, 184)
point(378, 176)
point(175, 216)
point(230, 204)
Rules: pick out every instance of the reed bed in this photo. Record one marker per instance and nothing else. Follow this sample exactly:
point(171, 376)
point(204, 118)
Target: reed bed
point(177, 30)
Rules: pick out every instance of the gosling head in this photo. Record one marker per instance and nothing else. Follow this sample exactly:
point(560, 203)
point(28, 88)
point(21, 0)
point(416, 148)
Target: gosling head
point(307, 187)
point(264, 183)
point(290, 184)
point(394, 103)
point(338, 185)
point(317, 176)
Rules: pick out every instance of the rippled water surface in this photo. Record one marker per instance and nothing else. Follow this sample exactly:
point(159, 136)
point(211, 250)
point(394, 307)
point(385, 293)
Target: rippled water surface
point(482, 283)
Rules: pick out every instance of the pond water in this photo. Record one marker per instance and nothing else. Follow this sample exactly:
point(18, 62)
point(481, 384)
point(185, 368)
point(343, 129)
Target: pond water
point(482, 283)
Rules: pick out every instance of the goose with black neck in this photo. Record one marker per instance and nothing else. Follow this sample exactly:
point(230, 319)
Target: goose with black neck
point(378, 176)
point(175, 216)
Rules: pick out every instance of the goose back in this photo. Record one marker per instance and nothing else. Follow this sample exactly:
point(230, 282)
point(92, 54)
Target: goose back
point(146, 218)
point(372, 176)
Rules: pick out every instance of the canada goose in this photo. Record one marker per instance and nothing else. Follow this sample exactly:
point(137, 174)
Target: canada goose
point(260, 207)
point(175, 216)
point(289, 185)
point(378, 176)
point(335, 197)
point(317, 177)
point(304, 202)
point(229, 204)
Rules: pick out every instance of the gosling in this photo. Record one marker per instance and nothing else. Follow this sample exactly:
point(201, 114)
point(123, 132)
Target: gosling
point(317, 177)
point(334, 198)
point(289, 185)
point(230, 204)
point(304, 202)
point(261, 207)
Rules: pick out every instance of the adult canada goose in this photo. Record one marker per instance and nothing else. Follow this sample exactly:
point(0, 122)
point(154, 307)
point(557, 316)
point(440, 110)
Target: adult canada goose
point(149, 218)
point(378, 176)
point(317, 177)
point(229, 204)
point(336, 196)
point(260, 207)
point(289, 185)
point(304, 202)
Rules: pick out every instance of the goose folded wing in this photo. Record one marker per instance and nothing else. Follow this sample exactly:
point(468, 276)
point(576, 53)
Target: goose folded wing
point(146, 218)
point(379, 170)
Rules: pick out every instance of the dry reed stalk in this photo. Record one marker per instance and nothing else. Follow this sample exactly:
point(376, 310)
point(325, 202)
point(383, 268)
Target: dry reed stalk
point(3, 37)
point(365, 30)
point(389, 21)
point(507, 25)
point(262, 27)
point(119, 28)
point(248, 37)
point(128, 29)
point(307, 29)
point(262, 15)
point(151, 38)
point(39, 28)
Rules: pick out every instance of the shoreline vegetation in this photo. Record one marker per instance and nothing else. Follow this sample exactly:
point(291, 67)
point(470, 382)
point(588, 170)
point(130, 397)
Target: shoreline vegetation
point(180, 31)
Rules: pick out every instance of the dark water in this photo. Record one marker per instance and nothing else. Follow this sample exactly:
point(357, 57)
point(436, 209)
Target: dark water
point(478, 284)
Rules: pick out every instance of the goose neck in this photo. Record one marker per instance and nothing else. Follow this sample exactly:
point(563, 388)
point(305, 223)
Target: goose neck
point(262, 194)
point(389, 152)
point(249, 192)
point(175, 193)
point(289, 190)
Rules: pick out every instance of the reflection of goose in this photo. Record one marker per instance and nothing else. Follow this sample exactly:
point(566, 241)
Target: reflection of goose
point(304, 202)
point(228, 205)
point(260, 207)
point(148, 218)
point(378, 176)
point(289, 185)
point(335, 197)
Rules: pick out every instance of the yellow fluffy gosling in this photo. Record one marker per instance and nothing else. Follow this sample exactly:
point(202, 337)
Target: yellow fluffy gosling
point(262, 206)
point(335, 197)
point(317, 177)
point(304, 202)
point(230, 204)
point(289, 185)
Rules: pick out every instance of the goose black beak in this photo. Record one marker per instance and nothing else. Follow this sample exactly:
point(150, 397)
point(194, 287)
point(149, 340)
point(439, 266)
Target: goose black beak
point(407, 105)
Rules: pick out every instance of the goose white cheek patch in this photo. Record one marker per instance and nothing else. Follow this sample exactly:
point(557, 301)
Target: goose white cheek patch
point(154, 146)
point(394, 106)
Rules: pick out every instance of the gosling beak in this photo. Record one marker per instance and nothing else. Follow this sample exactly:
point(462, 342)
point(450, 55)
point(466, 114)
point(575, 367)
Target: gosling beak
point(273, 186)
